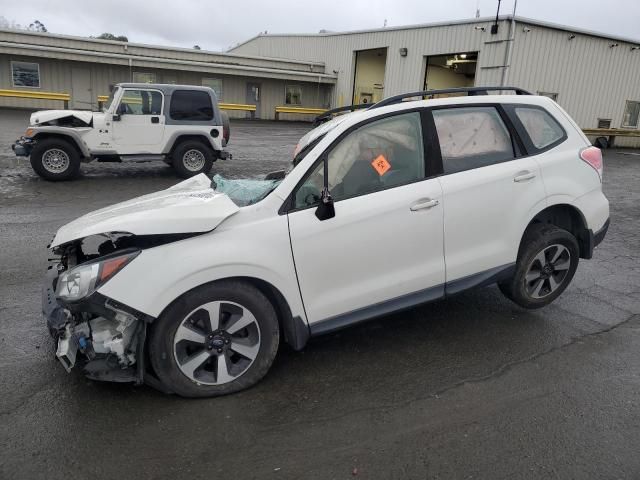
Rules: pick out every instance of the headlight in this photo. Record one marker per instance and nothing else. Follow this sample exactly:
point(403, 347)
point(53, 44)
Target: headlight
point(83, 280)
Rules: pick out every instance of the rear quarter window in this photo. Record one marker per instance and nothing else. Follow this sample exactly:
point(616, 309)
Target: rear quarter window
point(191, 105)
point(542, 129)
point(472, 137)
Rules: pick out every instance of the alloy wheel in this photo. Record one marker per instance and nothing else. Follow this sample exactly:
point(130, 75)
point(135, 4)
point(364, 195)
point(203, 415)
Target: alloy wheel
point(547, 271)
point(216, 343)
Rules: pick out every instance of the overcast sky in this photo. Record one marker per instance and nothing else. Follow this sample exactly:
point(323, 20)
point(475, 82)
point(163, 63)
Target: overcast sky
point(217, 25)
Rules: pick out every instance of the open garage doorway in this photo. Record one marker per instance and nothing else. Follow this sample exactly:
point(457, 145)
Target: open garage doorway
point(451, 71)
point(368, 83)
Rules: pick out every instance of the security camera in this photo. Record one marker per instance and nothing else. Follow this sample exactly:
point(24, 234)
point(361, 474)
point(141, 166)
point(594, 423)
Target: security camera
point(482, 29)
point(613, 45)
point(526, 29)
point(571, 36)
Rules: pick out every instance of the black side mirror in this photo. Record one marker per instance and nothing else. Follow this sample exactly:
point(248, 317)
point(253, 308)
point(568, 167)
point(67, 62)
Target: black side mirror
point(326, 209)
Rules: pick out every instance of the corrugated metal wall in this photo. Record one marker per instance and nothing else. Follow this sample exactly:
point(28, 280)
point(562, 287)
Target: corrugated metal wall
point(591, 79)
point(55, 76)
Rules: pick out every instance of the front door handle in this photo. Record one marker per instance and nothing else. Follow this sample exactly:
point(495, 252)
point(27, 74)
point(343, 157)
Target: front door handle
point(423, 203)
point(155, 120)
point(524, 176)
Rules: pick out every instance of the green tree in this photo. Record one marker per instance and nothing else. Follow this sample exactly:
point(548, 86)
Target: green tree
point(111, 36)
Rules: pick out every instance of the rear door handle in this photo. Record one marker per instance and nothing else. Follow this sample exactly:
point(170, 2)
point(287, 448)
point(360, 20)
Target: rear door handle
point(423, 203)
point(524, 176)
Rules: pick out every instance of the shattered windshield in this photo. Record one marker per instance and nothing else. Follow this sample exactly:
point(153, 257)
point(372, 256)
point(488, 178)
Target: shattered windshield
point(244, 191)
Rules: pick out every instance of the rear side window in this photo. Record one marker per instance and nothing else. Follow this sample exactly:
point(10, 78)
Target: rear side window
point(543, 130)
point(191, 105)
point(472, 137)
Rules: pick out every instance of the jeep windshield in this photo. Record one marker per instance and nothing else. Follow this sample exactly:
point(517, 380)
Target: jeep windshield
point(112, 95)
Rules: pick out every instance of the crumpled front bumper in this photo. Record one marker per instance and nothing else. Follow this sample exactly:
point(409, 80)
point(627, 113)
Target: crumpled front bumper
point(23, 146)
point(104, 337)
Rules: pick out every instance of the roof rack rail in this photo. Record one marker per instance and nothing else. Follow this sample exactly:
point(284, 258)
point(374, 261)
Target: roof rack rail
point(468, 90)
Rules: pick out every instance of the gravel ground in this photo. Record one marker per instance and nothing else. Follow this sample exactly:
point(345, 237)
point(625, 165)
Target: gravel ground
point(468, 387)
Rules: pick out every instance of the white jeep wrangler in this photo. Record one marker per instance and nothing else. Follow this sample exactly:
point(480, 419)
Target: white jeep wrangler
point(179, 124)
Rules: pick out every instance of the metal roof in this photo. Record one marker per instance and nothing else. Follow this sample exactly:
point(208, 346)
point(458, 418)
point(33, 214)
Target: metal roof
point(530, 21)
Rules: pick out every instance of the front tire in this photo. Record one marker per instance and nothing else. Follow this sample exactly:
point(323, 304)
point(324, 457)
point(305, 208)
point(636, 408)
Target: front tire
point(55, 159)
point(191, 158)
point(547, 262)
point(217, 339)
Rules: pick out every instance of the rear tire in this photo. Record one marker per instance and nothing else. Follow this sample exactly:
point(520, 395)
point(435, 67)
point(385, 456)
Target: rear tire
point(55, 159)
point(191, 158)
point(215, 340)
point(547, 261)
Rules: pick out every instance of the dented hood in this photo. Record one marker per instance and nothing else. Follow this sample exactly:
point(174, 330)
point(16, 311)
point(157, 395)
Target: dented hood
point(191, 206)
point(45, 116)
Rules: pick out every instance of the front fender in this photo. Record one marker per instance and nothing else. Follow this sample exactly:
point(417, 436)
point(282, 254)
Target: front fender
point(160, 275)
point(73, 134)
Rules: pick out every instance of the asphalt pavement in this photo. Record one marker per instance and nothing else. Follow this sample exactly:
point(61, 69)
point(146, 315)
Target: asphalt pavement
point(468, 387)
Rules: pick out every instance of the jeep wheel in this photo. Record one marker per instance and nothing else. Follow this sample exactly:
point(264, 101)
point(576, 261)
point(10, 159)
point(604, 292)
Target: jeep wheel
point(55, 159)
point(547, 261)
point(191, 158)
point(217, 339)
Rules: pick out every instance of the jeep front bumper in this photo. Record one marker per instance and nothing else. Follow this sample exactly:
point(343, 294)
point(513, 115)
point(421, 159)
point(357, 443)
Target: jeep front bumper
point(23, 146)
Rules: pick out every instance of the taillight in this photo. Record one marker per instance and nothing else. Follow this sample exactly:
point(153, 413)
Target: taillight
point(593, 156)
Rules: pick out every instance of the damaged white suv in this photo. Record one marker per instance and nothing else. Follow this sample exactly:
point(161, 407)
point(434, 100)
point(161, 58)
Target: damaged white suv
point(178, 124)
point(193, 290)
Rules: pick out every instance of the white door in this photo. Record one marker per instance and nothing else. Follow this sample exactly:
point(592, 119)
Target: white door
point(383, 250)
point(141, 125)
point(488, 193)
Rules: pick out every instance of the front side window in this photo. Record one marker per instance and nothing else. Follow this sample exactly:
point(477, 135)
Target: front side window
point(25, 74)
point(472, 137)
point(631, 114)
point(293, 95)
point(144, 77)
point(141, 102)
point(542, 128)
point(191, 105)
point(382, 154)
point(215, 84)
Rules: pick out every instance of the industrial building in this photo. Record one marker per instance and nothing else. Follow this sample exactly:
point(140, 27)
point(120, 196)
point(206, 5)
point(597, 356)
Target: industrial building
point(595, 77)
point(85, 68)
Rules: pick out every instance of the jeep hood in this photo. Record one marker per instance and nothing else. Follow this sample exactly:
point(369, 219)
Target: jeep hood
point(191, 206)
point(45, 116)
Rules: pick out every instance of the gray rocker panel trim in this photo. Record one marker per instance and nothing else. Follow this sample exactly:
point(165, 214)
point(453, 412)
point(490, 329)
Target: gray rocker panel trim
point(404, 302)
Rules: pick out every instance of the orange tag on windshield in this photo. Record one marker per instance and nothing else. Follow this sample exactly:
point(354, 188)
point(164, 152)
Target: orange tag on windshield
point(381, 165)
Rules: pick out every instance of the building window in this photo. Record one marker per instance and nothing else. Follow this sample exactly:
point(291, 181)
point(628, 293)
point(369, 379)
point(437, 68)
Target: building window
point(144, 77)
point(215, 84)
point(25, 74)
point(631, 114)
point(293, 95)
point(552, 96)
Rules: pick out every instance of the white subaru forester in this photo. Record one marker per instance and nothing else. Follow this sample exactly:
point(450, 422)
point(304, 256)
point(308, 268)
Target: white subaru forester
point(192, 291)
